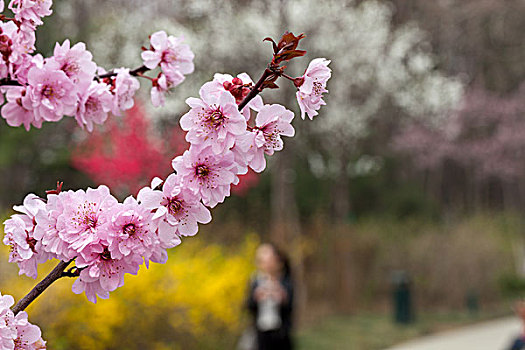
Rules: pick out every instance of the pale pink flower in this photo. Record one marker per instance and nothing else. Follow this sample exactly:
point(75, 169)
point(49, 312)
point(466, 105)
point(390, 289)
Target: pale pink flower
point(18, 109)
point(238, 87)
point(21, 69)
point(168, 51)
point(95, 103)
point(29, 336)
point(25, 38)
point(75, 61)
point(1, 5)
point(271, 122)
point(8, 332)
point(31, 10)
point(213, 120)
point(16, 333)
point(30, 207)
point(46, 228)
point(101, 273)
point(26, 247)
point(52, 93)
point(178, 210)
point(16, 43)
point(125, 87)
point(311, 87)
point(162, 85)
point(207, 174)
point(83, 216)
point(131, 230)
point(22, 247)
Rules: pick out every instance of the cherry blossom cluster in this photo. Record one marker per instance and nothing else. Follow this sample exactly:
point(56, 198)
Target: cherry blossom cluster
point(108, 239)
point(229, 128)
point(15, 330)
point(69, 83)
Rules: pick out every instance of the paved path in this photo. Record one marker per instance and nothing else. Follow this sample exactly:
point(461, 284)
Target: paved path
point(492, 335)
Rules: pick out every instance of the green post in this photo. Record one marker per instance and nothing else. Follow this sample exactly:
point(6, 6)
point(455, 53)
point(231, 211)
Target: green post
point(402, 298)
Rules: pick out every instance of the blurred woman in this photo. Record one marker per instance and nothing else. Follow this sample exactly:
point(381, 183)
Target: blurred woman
point(271, 298)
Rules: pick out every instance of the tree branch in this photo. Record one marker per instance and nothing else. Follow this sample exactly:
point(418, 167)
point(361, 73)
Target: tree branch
point(41, 287)
point(135, 72)
point(256, 89)
point(9, 82)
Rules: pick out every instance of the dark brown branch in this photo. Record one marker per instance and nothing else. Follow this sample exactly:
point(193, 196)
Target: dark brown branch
point(72, 272)
point(9, 82)
point(256, 89)
point(41, 286)
point(135, 72)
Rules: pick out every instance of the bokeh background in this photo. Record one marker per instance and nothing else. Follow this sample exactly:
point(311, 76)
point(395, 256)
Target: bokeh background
point(415, 167)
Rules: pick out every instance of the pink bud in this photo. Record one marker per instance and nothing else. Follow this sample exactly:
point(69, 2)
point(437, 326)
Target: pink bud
point(237, 81)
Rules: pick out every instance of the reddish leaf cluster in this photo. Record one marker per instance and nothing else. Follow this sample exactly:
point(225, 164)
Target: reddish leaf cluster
point(286, 49)
point(283, 51)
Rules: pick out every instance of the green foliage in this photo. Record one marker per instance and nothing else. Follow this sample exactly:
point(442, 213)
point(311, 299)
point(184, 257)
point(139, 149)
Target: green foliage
point(512, 286)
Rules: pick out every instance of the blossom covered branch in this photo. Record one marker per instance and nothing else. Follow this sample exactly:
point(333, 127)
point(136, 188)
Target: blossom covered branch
point(229, 128)
point(69, 83)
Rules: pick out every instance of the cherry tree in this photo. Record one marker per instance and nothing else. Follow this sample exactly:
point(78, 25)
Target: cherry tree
point(229, 129)
point(484, 137)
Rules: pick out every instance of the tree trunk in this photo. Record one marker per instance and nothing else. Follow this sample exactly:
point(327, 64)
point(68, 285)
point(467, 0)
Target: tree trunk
point(285, 224)
point(341, 191)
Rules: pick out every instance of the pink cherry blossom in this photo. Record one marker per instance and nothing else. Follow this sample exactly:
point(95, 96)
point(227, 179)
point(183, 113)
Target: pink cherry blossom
point(168, 51)
point(29, 336)
point(21, 68)
point(271, 122)
point(76, 62)
point(16, 43)
point(18, 109)
point(239, 88)
point(162, 85)
point(26, 247)
point(51, 92)
point(125, 87)
point(207, 174)
point(84, 214)
point(31, 10)
point(94, 105)
point(8, 333)
point(46, 228)
point(178, 210)
point(101, 273)
point(131, 230)
point(213, 120)
point(311, 87)
point(22, 246)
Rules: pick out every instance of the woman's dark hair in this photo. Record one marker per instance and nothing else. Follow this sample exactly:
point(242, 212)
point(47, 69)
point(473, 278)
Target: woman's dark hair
point(287, 271)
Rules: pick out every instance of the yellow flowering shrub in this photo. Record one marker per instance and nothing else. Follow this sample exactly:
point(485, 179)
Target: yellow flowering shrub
point(194, 301)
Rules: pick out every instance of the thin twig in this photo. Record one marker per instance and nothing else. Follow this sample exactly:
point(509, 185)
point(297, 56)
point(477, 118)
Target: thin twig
point(41, 287)
point(9, 82)
point(256, 89)
point(135, 72)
